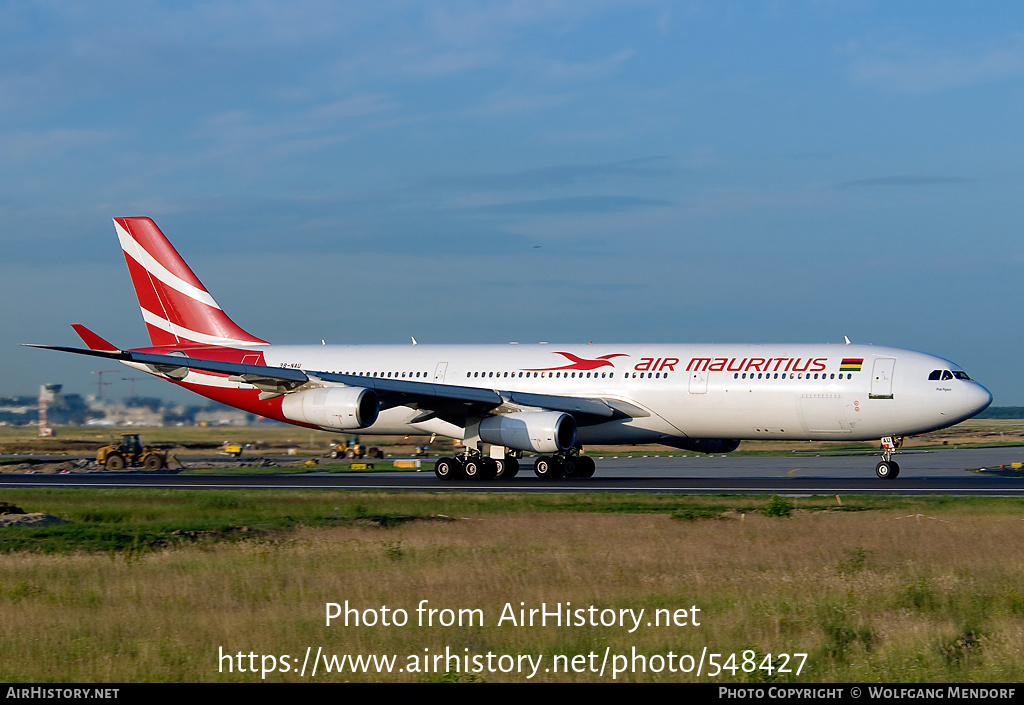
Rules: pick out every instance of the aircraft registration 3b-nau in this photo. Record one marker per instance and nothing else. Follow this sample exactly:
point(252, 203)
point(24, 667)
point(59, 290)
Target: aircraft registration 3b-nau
point(504, 400)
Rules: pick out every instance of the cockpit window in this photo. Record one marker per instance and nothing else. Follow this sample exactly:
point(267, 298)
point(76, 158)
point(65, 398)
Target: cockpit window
point(946, 374)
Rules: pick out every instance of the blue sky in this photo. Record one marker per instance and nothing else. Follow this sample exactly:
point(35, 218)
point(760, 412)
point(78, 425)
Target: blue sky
point(491, 171)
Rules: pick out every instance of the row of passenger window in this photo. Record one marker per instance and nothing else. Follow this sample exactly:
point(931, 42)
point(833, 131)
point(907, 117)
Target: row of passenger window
point(641, 375)
point(791, 375)
point(567, 375)
point(392, 375)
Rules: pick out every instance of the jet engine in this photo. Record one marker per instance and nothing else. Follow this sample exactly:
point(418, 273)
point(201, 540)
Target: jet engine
point(339, 408)
point(540, 431)
point(706, 445)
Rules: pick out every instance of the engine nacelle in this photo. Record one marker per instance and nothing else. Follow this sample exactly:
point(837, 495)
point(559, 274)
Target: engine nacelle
point(339, 408)
point(707, 445)
point(540, 431)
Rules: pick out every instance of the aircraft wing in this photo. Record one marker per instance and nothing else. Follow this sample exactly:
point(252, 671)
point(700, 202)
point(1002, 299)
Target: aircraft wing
point(450, 402)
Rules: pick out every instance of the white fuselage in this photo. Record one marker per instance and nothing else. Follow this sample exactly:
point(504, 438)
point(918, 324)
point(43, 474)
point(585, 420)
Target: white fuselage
point(813, 392)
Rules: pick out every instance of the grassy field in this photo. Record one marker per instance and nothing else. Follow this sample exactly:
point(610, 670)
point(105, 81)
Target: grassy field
point(155, 585)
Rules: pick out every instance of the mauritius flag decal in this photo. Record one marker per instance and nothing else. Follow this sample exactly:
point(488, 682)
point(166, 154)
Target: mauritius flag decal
point(851, 364)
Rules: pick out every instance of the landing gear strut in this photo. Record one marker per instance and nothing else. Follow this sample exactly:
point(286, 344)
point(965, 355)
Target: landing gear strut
point(889, 469)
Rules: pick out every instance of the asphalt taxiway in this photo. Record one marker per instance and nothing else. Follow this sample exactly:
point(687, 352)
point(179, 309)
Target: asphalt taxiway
point(950, 472)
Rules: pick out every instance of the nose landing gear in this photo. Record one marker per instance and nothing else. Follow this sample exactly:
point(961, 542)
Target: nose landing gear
point(889, 469)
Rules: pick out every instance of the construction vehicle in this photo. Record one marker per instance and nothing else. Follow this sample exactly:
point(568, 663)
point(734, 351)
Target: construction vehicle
point(353, 450)
point(341, 449)
point(129, 453)
point(232, 449)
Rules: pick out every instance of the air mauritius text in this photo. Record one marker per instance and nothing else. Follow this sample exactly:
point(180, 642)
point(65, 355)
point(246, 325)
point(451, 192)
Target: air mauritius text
point(558, 614)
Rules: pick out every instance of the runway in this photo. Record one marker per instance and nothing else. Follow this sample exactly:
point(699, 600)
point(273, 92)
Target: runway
point(949, 472)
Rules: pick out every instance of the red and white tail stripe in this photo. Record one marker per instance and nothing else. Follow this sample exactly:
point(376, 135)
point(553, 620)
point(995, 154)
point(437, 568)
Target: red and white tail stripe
point(177, 308)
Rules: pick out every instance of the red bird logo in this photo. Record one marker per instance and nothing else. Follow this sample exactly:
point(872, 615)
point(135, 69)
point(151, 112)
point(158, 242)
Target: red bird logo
point(578, 363)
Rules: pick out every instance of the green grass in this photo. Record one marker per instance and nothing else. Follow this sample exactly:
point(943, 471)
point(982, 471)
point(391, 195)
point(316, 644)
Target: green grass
point(147, 584)
point(116, 519)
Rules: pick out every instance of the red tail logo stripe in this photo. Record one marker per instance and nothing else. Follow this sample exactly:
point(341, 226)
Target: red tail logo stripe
point(176, 306)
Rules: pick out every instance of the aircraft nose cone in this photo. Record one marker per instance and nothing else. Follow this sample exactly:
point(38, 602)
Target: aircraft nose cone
point(977, 399)
point(984, 399)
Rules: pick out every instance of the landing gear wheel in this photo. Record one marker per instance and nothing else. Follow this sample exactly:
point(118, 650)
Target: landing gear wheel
point(490, 468)
point(887, 470)
point(585, 466)
point(114, 462)
point(570, 467)
point(475, 469)
point(446, 469)
point(547, 468)
point(511, 468)
point(506, 468)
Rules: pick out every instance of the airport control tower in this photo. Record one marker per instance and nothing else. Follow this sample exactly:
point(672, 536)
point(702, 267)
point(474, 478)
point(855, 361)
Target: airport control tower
point(47, 393)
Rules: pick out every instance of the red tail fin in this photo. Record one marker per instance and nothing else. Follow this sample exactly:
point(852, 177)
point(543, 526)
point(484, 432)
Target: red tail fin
point(177, 308)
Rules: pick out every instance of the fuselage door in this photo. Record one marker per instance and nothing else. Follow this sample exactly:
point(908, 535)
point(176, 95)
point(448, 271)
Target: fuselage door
point(881, 378)
point(699, 382)
point(439, 372)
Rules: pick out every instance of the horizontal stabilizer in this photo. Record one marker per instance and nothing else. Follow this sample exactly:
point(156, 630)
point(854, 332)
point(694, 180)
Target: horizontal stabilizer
point(94, 341)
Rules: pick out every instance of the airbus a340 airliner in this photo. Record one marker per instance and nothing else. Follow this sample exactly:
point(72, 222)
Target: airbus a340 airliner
point(502, 400)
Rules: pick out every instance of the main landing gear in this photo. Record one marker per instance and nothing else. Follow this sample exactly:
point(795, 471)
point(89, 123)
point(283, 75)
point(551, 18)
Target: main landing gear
point(889, 469)
point(565, 464)
point(474, 465)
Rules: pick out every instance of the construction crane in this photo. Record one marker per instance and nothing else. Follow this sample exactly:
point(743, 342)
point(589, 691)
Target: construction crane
point(100, 383)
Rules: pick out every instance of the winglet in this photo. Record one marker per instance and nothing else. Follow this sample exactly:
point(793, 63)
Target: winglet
point(92, 340)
